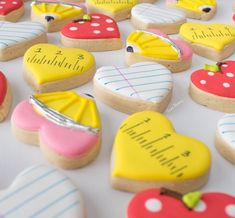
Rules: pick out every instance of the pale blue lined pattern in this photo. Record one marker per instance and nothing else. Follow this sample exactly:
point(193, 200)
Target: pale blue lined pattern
point(147, 81)
point(41, 191)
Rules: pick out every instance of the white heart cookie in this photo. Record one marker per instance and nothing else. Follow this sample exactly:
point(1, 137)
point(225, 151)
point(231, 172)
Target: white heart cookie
point(145, 85)
point(146, 16)
point(41, 191)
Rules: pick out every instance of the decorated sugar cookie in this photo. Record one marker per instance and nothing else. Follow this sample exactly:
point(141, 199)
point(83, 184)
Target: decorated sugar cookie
point(41, 191)
point(156, 203)
point(52, 68)
point(65, 125)
point(154, 45)
point(11, 10)
point(149, 153)
point(95, 32)
point(214, 86)
point(5, 97)
point(142, 86)
point(196, 9)
point(53, 14)
point(21, 36)
point(225, 137)
point(146, 16)
point(212, 41)
point(118, 10)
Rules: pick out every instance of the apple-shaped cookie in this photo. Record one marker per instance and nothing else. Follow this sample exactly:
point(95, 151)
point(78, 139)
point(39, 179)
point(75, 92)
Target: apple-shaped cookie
point(95, 32)
point(149, 153)
point(156, 203)
point(11, 10)
point(214, 86)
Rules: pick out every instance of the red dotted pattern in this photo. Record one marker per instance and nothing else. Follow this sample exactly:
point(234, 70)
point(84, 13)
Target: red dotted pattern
point(7, 6)
point(3, 87)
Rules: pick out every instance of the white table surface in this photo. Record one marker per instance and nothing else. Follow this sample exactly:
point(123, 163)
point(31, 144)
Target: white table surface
point(101, 200)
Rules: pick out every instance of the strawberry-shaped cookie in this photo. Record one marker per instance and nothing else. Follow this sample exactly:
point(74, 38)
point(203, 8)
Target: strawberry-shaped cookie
point(5, 97)
point(11, 10)
point(95, 32)
point(214, 86)
point(156, 203)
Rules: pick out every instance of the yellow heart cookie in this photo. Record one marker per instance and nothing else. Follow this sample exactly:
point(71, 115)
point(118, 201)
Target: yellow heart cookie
point(52, 68)
point(149, 153)
point(213, 41)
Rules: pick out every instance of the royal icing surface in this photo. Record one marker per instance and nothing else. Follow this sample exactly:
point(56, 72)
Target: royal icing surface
point(3, 87)
point(152, 204)
point(15, 33)
point(220, 83)
point(99, 27)
point(48, 62)
point(146, 81)
point(113, 6)
point(41, 191)
point(152, 14)
point(7, 6)
point(226, 129)
point(155, 44)
point(216, 36)
point(56, 10)
point(197, 6)
point(147, 148)
point(69, 142)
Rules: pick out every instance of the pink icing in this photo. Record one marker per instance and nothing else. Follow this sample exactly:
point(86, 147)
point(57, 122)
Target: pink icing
point(64, 141)
point(186, 51)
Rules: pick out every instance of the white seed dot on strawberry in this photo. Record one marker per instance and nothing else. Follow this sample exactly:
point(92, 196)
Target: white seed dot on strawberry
point(73, 28)
point(201, 207)
point(230, 210)
point(153, 205)
point(211, 73)
point(109, 21)
point(96, 17)
point(96, 31)
point(110, 29)
point(203, 82)
point(95, 24)
point(229, 74)
point(224, 65)
point(226, 85)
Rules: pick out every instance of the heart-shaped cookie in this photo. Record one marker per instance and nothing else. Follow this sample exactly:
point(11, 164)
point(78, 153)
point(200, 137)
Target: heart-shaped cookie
point(149, 153)
point(225, 137)
point(52, 68)
point(154, 45)
point(5, 97)
point(146, 16)
point(142, 86)
point(11, 10)
point(65, 125)
point(213, 41)
point(16, 38)
point(215, 89)
point(95, 32)
point(41, 191)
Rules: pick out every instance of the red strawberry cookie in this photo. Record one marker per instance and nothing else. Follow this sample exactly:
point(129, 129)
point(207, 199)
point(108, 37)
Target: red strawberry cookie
point(5, 97)
point(11, 10)
point(214, 86)
point(156, 203)
point(94, 32)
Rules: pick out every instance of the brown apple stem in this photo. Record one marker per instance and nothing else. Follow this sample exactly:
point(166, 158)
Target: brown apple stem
point(219, 64)
point(168, 192)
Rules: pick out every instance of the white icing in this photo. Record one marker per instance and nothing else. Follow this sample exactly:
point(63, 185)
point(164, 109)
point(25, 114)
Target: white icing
point(147, 81)
point(41, 191)
point(153, 205)
point(149, 13)
point(14, 33)
point(230, 210)
point(226, 129)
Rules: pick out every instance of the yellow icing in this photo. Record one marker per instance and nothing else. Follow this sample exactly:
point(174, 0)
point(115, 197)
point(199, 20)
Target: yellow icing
point(60, 11)
point(113, 6)
point(216, 36)
point(151, 45)
point(80, 109)
point(50, 63)
point(195, 5)
point(146, 147)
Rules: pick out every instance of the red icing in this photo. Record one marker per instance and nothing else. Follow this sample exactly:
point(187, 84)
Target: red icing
point(7, 6)
point(3, 87)
point(216, 205)
point(219, 83)
point(100, 27)
point(234, 17)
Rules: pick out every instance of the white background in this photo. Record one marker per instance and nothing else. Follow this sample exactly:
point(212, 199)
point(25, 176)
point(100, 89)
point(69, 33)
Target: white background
point(101, 200)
